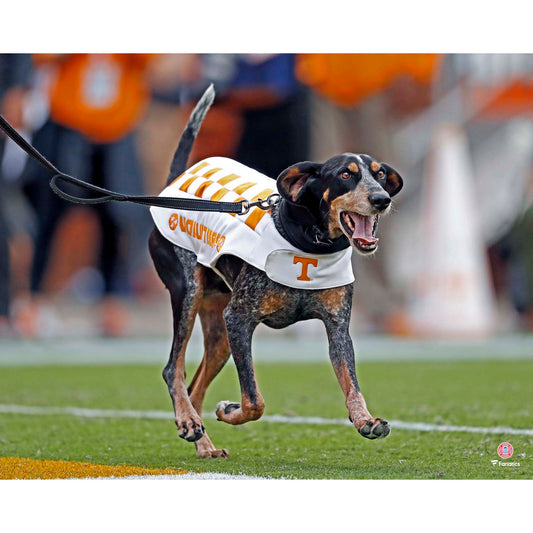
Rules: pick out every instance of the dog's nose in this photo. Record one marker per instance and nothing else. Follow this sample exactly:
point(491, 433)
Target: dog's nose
point(380, 200)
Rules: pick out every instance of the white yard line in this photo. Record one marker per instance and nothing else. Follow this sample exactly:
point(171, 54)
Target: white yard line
point(209, 476)
point(280, 419)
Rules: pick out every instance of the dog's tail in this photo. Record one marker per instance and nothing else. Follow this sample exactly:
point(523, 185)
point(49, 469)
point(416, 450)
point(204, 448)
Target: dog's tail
point(179, 162)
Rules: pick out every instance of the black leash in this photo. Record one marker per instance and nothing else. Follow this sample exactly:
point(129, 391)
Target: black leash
point(241, 207)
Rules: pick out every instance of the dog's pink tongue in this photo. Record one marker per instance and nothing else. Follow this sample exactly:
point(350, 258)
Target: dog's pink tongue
point(362, 229)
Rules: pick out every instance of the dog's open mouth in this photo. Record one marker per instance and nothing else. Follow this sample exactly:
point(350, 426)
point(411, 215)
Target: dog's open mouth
point(361, 230)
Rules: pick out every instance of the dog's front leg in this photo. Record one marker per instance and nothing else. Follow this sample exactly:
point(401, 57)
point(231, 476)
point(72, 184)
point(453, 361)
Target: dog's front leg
point(342, 358)
point(334, 309)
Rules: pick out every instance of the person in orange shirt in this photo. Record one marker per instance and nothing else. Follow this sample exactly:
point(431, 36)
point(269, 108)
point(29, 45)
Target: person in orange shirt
point(96, 102)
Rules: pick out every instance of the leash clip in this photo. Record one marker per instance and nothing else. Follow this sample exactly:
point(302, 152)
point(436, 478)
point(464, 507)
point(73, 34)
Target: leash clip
point(265, 205)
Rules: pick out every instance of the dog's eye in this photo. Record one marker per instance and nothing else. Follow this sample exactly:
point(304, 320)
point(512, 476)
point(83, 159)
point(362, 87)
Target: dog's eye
point(381, 174)
point(346, 175)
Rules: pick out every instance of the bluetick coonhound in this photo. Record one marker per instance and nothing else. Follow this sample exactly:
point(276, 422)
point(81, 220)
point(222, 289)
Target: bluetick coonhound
point(324, 207)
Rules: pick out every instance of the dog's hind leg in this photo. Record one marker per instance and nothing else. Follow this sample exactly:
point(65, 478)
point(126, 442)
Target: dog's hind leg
point(184, 279)
point(216, 354)
point(216, 347)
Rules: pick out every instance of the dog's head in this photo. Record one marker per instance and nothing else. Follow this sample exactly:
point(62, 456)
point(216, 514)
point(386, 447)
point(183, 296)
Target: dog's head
point(347, 194)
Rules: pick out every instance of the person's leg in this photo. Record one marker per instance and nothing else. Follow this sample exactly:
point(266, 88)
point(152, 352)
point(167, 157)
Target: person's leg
point(125, 230)
point(50, 212)
point(123, 172)
point(68, 151)
point(113, 315)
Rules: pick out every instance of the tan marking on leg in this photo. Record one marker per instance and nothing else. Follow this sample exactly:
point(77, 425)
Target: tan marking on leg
point(356, 404)
point(271, 303)
point(215, 358)
point(355, 401)
point(253, 411)
point(216, 347)
point(333, 299)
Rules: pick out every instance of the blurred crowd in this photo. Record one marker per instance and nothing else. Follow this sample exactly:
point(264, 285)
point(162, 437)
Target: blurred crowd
point(114, 120)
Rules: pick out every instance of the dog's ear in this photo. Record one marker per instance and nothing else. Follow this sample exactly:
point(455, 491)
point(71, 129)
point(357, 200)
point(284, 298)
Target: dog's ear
point(394, 182)
point(291, 181)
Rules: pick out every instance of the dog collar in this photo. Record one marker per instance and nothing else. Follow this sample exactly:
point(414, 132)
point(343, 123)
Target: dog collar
point(300, 227)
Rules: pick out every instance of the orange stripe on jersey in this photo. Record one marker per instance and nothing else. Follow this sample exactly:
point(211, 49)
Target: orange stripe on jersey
point(263, 195)
point(202, 188)
point(244, 187)
point(188, 183)
point(254, 217)
point(209, 173)
point(227, 179)
point(257, 214)
point(198, 167)
point(219, 194)
point(174, 181)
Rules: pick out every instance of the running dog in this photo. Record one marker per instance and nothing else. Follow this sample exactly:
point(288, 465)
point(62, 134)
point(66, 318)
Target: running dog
point(324, 210)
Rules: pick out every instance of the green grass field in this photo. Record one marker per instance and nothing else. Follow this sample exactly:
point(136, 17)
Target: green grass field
point(476, 393)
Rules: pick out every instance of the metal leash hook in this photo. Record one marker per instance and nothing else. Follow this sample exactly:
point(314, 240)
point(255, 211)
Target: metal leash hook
point(265, 205)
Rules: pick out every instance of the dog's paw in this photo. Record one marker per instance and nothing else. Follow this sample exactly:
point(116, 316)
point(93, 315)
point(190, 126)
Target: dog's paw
point(374, 428)
point(206, 449)
point(190, 428)
point(225, 408)
point(213, 454)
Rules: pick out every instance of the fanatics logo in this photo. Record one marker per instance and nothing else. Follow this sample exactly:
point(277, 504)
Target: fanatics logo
point(505, 450)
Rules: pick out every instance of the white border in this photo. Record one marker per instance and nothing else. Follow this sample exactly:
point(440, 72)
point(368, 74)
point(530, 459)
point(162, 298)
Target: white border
point(234, 506)
point(275, 26)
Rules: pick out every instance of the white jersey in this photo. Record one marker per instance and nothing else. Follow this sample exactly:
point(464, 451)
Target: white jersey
point(252, 237)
